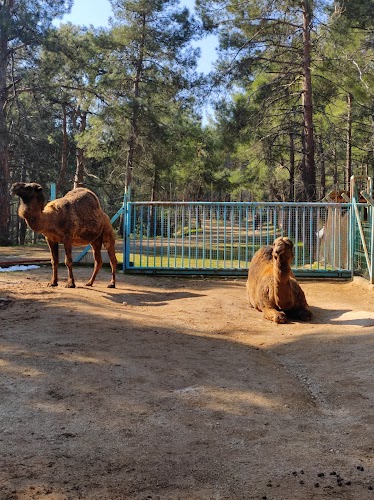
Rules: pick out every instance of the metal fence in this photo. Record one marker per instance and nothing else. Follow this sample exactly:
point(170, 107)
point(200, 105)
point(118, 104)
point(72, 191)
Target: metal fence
point(363, 248)
point(221, 238)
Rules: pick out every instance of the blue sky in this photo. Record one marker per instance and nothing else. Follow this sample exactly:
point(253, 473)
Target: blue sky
point(97, 12)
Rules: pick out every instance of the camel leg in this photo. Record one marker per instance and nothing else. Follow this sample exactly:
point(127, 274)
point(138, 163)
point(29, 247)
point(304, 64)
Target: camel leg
point(274, 315)
point(113, 265)
point(69, 265)
point(303, 314)
point(96, 247)
point(54, 261)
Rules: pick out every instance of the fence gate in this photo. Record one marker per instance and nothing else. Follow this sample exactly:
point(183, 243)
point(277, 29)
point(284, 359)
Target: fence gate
point(221, 238)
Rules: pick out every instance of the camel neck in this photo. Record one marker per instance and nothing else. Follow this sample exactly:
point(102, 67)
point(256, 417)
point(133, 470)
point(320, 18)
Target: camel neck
point(282, 286)
point(32, 214)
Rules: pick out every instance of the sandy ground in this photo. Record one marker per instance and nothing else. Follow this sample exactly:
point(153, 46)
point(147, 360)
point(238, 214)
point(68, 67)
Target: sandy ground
point(170, 388)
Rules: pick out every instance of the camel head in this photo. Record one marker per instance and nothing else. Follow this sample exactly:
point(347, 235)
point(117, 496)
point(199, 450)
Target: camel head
point(28, 191)
point(283, 250)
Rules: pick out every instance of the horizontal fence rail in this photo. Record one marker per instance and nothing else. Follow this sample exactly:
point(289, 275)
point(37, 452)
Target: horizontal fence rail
point(221, 238)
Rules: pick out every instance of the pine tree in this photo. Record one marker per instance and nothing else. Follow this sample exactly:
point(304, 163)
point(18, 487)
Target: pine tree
point(23, 27)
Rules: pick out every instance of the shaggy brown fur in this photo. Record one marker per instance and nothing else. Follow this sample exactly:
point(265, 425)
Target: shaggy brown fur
point(74, 220)
point(272, 287)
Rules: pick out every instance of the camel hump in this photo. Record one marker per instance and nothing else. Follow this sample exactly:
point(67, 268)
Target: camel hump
point(83, 194)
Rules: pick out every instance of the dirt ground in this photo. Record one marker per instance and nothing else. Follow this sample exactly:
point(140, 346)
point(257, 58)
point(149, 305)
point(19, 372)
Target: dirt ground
point(171, 388)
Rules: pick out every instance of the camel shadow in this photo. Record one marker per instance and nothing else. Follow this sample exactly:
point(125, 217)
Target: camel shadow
point(146, 298)
point(154, 299)
point(343, 317)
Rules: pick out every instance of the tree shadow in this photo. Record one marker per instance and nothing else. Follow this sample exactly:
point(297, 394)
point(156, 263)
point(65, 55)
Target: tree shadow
point(137, 405)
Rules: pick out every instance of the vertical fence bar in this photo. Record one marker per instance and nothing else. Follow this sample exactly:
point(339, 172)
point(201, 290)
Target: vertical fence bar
point(218, 250)
point(196, 235)
point(224, 234)
point(239, 256)
point(141, 233)
point(183, 222)
point(311, 237)
point(371, 271)
point(203, 235)
point(350, 242)
point(297, 236)
point(175, 234)
point(211, 236)
point(189, 236)
point(126, 234)
point(230, 222)
point(253, 228)
point(339, 233)
point(155, 232)
point(246, 236)
point(168, 244)
point(53, 191)
point(267, 226)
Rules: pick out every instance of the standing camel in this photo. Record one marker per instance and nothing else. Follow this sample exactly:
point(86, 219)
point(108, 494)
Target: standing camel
point(272, 288)
point(74, 220)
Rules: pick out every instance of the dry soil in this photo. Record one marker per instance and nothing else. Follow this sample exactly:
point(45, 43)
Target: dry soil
point(171, 388)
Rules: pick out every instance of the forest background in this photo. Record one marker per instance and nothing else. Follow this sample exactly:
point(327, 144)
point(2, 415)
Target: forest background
point(120, 108)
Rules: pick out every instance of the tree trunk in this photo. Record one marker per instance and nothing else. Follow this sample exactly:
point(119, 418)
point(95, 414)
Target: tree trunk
point(133, 137)
point(64, 152)
point(79, 172)
point(335, 165)
point(291, 192)
point(348, 160)
point(4, 143)
point(309, 173)
point(323, 169)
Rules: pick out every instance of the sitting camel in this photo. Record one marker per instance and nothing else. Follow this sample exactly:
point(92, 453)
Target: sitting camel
point(74, 220)
point(272, 288)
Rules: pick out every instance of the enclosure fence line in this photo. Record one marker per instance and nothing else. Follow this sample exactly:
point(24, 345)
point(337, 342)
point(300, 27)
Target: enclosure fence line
point(331, 239)
point(221, 238)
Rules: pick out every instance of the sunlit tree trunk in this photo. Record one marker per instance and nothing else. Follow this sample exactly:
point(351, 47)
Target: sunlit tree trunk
point(291, 193)
point(323, 169)
point(80, 159)
point(64, 152)
point(309, 173)
point(133, 137)
point(348, 160)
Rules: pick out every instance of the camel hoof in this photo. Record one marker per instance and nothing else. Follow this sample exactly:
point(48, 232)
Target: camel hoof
point(111, 285)
point(52, 284)
point(88, 284)
point(280, 318)
point(70, 285)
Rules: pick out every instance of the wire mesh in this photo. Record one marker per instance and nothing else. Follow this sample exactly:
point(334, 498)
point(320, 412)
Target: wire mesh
point(224, 236)
point(363, 241)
